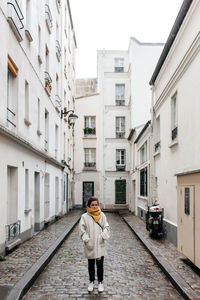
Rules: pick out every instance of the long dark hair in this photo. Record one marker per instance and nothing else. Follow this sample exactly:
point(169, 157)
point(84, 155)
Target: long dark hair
point(91, 199)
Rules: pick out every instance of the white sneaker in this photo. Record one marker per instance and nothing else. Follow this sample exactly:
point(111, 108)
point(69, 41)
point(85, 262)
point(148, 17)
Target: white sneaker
point(100, 287)
point(91, 286)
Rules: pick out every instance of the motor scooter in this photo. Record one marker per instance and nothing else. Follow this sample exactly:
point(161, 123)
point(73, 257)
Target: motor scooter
point(154, 220)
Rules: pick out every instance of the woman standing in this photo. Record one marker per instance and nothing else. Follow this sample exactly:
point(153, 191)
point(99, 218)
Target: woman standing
point(94, 230)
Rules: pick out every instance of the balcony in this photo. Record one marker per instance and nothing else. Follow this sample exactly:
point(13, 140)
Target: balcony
point(11, 117)
point(48, 18)
point(120, 167)
point(48, 82)
point(119, 69)
point(13, 230)
point(15, 18)
point(58, 103)
point(58, 50)
point(120, 135)
point(88, 130)
point(65, 71)
point(120, 102)
point(157, 146)
point(90, 165)
point(174, 133)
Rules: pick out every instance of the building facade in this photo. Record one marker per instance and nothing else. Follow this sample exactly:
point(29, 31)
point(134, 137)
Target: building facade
point(37, 73)
point(176, 131)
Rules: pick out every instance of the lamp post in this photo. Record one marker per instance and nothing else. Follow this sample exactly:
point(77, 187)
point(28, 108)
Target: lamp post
point(71, 116)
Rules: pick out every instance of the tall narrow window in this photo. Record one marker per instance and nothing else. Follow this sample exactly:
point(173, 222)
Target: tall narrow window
point(119, 93)
point(120, 159)
point(143, 153)
point(12, 94)
point(157, 134)
point(90, 158)
point(46, 146)
point(26, 118)
point(119, 65)
point(64, 145)
point(39, 45)
point(90, 125)
point(26, 189)
point(28, 20)
point(144, 182)
point(56, 141)
point(120, 127)
point(174, 123)
point(38, 118)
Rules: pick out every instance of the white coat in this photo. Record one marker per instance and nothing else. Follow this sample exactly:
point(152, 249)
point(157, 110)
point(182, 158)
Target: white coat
point(93, 236)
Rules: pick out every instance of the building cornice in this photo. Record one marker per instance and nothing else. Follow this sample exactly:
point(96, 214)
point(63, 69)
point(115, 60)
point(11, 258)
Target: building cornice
point(20, 141)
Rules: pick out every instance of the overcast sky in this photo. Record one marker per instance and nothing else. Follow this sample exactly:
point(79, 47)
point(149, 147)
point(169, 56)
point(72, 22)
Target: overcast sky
point(109, 24)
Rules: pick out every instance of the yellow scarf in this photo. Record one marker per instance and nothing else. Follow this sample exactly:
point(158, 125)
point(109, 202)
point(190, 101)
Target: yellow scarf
point(95, 213)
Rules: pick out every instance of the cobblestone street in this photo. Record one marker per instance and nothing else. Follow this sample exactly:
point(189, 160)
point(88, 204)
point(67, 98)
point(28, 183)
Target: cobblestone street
point(130, 272)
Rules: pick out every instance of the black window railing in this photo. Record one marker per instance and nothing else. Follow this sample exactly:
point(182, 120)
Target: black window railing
point(120, 102)
point(90, 164)
point(58, 101)
point(89, 130)
point(10, 116)
point(157, 146)
point(58, 50)
point(119, 69)
point(49, 18)
point(174, 133)
point(13, 230)
point(120, 135)
point(48, 81)
point(120, 167)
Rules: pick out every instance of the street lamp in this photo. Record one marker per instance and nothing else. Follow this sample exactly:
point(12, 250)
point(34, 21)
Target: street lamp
point(71, 117)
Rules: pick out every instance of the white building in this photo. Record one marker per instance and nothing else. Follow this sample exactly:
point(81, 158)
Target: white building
point(124, 93)
point(176, 126)
point(140, 174)
point(88, 142)
point(37, 72)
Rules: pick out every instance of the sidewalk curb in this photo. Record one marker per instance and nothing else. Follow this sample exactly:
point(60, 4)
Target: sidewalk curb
point(24, 284)
point(178, 282)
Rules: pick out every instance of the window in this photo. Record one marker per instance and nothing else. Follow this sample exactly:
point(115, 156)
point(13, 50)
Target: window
point(144, 182)
point(120, 191)
point(90, 158)
point(120, 94)
point(143, 153)
point(26, 189)
point(11, 93)
point(157, 134)
point(56, 141)
point(120, 159)
point(174, 125)
point(120, 127)
point(119, 65)
point(89, 125)
point(187, 200)
point(46, 146)
point(26, 117)
point(38, 119)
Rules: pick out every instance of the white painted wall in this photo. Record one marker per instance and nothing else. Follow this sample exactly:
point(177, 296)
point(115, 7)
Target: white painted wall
point(179, 74)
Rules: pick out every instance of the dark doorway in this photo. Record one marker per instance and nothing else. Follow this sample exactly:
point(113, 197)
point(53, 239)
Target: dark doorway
point(120, 191)
point(88, 191)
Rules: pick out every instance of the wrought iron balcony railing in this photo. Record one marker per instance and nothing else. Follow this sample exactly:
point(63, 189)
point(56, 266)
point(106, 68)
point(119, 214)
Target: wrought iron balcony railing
point(58, 50)
point(90, 164)
point(120, 102)
point(157, 146)
point(48, 18)
point(120, 135)
point(119, 69)
point(11, 117)
point(120, 167)
point(174, 133)
point(15, 18)
point(13, 230)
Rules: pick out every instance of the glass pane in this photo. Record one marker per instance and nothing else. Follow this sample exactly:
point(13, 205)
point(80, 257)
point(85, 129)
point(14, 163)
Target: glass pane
point(187, 201)
point(93, 122)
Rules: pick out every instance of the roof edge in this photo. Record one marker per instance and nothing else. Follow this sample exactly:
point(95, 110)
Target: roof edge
point(173, 33)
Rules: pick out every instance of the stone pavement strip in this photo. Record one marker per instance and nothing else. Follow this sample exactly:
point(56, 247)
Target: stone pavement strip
point(174, 264)
point(25, 263)
point(130, 271)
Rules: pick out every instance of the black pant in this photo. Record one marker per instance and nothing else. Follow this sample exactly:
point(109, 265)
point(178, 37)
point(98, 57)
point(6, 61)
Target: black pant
point(91, 269)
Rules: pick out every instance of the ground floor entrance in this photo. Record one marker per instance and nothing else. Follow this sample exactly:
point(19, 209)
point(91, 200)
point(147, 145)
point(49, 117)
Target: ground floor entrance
point(189, 216)
point(88, 191)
